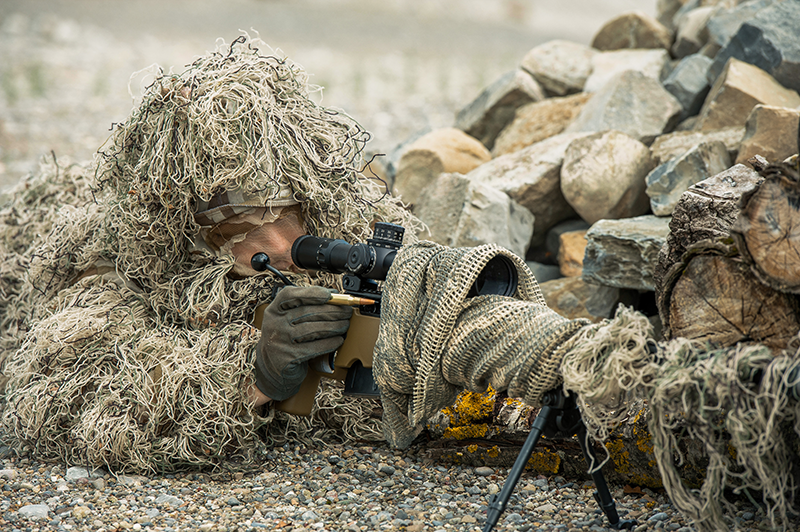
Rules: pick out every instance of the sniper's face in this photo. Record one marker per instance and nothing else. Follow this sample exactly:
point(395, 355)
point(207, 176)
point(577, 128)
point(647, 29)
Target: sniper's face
point(275, 239)
point(250, 235)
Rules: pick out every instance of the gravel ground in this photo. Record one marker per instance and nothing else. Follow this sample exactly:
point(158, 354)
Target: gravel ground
point(339, 487)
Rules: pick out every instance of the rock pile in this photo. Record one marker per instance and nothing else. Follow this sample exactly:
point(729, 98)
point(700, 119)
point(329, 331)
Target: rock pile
point(586, 151)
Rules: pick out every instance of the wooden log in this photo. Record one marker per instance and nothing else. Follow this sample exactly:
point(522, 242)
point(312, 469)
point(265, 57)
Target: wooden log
point(712, 295)
point(489, 430)
point(706, 211)
point(767, 229)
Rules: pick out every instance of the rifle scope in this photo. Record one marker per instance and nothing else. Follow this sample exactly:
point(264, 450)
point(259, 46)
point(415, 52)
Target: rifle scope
point(373, 260)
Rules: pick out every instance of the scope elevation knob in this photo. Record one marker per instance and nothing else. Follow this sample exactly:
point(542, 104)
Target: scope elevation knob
point(387, 235)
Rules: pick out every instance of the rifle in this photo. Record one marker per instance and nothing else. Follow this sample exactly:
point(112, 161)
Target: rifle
point(362, 267)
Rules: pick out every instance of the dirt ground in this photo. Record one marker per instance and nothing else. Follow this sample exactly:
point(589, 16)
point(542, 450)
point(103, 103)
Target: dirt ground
point(398, 66)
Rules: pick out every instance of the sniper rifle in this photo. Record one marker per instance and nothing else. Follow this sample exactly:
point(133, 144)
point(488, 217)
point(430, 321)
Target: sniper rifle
point(363, 266)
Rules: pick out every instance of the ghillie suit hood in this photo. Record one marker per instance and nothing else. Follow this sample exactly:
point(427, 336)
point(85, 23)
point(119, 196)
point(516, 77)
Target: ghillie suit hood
point(235, 120)
point(146, 353)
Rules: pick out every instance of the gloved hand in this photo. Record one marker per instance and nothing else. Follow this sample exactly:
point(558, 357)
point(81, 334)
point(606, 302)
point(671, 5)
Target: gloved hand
point(298, 326)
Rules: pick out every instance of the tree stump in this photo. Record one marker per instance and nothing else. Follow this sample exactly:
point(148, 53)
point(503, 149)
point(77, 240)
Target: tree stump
point(706, 211)
point(712, 295)
point(767, 230)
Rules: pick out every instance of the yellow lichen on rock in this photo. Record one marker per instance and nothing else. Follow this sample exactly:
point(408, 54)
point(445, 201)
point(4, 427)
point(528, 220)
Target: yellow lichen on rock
point(466, 432)
point(545, 461)
point(471, 407)
point(622, 462)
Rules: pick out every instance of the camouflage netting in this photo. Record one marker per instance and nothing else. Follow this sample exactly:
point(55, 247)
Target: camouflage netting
point(739, 401)
point(434, 342)
point(142, 353)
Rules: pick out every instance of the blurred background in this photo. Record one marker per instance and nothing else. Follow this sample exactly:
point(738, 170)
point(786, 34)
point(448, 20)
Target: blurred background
point(70, 68)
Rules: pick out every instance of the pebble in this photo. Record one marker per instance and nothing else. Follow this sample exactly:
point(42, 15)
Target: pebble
point(294, 493)
point(540, 483)
point(34, 511)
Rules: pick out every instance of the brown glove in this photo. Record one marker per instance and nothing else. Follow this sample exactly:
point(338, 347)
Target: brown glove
point(298, 326)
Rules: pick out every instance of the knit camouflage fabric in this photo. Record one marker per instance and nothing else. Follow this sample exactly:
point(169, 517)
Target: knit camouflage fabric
point(434, 340)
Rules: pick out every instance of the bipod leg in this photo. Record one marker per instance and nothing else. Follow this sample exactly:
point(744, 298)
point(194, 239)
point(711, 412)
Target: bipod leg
point(603, 494)
point(499, 502)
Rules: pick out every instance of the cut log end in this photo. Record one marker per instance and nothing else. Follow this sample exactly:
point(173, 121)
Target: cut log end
point(767, 230)
point(718, 300)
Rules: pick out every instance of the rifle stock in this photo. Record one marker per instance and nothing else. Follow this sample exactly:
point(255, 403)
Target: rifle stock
point(357, 347)
point(355, 351)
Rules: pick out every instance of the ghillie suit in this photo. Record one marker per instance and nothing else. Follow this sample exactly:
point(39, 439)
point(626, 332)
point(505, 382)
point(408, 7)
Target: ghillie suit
point(144, 356)
point(28, 211)
point(738, 401)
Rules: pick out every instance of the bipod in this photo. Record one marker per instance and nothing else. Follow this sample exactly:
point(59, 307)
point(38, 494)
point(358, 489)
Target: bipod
point(559, 414)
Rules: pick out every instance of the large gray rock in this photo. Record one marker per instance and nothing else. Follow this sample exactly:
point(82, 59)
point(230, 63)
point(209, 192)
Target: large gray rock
point(724, 23)
point(771, 132)
point(632, 103)
point(544, 272)
point(393, 155)
point(561, 67)
point(464, 213)
point(532, 177)
point(677, 143)
point(689, 83)
point(686, 7)
point(692, 32)
point(624, 253)
point(632, 30)
point(494, 108)
point(441, 151)
point(666, 10)
point(607, 65)
point(603, 176)
point(537, 121)
point(770, 41)
point(739, 88)
point(668, 182)
point(573, 298)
